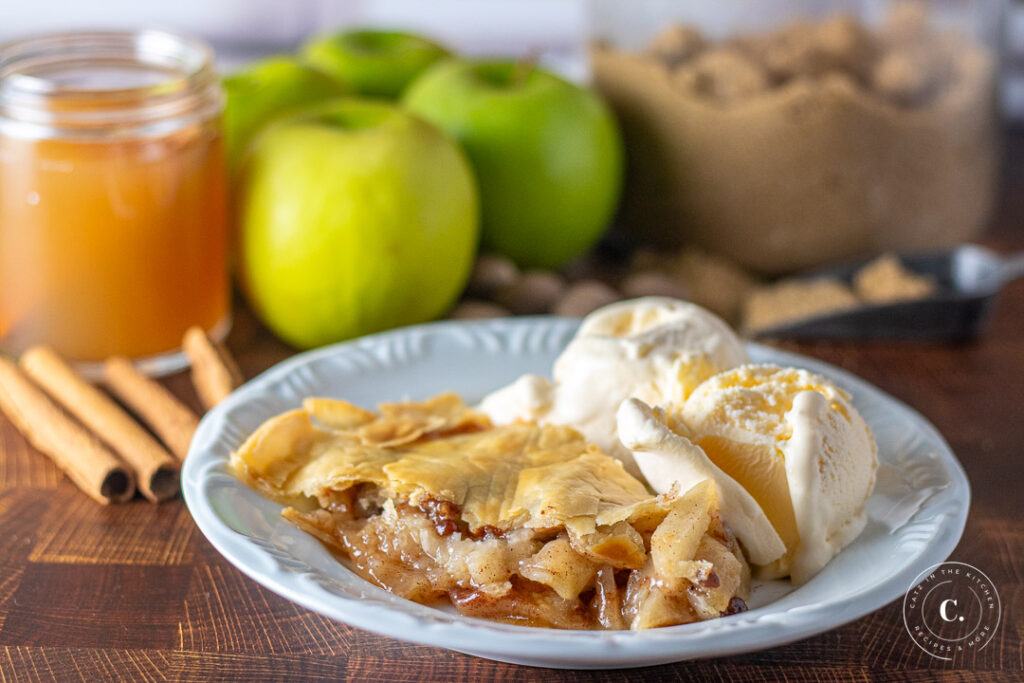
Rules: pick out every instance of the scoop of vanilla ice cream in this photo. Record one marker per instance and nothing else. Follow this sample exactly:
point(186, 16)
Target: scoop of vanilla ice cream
point(529, 398)
point(656, 349)
point(667, 458)
point(665, 325)
point(793, 461)
point(795, 442)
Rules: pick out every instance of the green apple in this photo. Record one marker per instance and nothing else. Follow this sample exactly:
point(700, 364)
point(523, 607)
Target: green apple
point(547, 155)
point(356, 217)
point(375, 63)
point(266, 89)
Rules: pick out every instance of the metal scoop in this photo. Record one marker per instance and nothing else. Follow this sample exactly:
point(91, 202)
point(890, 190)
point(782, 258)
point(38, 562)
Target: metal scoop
point(968, 279)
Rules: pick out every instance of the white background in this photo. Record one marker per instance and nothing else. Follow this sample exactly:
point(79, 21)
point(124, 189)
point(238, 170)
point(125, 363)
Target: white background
point(555, 30)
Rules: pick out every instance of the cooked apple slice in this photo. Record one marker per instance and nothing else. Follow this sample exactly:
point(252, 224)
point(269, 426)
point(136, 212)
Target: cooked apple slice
point(667, 458)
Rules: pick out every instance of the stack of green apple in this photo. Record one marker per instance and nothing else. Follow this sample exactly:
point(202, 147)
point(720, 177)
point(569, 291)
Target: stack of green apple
point(370, 168)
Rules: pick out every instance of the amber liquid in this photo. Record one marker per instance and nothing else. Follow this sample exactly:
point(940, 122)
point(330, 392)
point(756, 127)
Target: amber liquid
point(112, 247)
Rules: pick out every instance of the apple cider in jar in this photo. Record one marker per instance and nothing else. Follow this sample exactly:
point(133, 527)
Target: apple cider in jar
point(112, 196)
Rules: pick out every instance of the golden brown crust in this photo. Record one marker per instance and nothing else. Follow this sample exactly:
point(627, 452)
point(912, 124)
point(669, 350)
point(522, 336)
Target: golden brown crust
point(521, 524)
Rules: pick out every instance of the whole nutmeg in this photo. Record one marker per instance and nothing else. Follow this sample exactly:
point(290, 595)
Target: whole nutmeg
point(906, 76)
point(471, 309)
point(791, 52)
point(676, 44)
point(724, 74)
point(587, 267)
point(533, 293)
point(490, 273)
point(584, 297)
point(652, 283)
point(846, 44)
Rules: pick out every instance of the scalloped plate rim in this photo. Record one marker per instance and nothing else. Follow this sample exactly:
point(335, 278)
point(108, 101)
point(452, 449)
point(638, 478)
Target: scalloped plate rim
point(751, 631)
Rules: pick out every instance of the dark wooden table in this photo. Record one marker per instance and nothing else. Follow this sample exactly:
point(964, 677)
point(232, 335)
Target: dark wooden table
point(134, 592)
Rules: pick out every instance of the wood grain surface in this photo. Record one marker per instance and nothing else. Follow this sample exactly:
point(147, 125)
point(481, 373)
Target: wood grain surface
point(135, 593)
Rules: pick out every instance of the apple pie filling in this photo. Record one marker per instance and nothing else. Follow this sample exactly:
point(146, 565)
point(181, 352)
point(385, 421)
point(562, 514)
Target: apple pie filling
point(523, 523)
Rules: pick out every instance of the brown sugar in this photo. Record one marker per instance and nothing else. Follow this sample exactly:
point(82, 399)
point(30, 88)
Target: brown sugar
point(882, 281)
point(886, 280)
point(793, 300)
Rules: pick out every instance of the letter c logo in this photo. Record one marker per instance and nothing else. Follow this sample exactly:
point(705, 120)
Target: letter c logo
point(942, 610)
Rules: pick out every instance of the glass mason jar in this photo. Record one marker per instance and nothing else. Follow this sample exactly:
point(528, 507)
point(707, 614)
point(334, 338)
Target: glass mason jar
point(113, 225)
point(787, 134)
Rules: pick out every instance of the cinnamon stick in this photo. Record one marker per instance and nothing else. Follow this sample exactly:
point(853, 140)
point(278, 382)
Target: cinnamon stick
point(214, 373)
point(92, 468)
point(168, 417)
point(156, 471)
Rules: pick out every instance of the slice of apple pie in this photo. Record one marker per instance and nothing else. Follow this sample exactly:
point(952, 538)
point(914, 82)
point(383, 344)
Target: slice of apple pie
point(522, 523)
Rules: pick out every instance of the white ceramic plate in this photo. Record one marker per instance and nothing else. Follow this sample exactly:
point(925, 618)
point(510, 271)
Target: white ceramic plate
point(916, 515)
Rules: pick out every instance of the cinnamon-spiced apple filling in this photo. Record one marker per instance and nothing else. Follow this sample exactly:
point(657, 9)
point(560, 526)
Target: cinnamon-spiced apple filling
point(523, 523)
